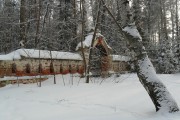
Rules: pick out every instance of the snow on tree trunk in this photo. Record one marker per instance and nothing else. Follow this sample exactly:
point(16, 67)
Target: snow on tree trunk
point(159, 94)
point(157, 91)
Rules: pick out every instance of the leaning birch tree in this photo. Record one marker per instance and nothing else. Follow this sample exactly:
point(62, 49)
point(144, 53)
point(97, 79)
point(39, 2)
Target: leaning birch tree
point(157, 91)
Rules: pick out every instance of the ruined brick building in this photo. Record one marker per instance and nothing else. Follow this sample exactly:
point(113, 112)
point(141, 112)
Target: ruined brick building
point(31, 62)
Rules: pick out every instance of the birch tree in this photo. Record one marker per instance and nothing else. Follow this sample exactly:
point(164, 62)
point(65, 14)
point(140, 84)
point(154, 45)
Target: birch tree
point(157, 91)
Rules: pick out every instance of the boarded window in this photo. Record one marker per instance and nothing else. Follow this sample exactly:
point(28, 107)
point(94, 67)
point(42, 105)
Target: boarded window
point(40, 68)
point(77, 68)
point(51, 68)
point(28, 68)
point(70, 68)
point(61, 68)
point(13, 68)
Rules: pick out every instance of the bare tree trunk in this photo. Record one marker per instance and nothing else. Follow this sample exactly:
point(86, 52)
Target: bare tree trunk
point(164, 20)
point(82, 34)
point(177, 19)
point(161, 23)
point(177, 32)
point(159, 30)
point(39, 39)
point(93, 39)
point(85, 17)
point(23, 22)
point(53, 70)
point(149, 18)
point(37, 12)
point(103, 18)
point(75, 17)
point(172, 19)
point(157, 91)
point(94, 5)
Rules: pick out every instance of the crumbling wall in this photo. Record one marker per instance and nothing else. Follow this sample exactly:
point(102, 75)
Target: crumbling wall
point(33, 67)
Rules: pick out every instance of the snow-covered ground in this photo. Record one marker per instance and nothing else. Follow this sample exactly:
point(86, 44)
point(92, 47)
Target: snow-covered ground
point(115, 98)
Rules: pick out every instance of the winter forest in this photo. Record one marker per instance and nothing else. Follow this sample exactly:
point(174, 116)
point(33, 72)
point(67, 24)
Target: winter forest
point(60, 24)
point(146, 33)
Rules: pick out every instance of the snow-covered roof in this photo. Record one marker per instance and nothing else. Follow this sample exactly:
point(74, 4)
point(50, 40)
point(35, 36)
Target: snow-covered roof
point(32, 53)
point(120, 58)
point(88, 40)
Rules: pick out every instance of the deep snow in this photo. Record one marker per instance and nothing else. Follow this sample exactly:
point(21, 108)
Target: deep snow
point(115, 98)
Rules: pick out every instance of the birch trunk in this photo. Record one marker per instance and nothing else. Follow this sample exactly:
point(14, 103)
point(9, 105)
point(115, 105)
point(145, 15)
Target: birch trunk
point(157, 91)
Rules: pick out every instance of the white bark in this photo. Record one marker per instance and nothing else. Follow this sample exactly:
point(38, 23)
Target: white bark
point(158, 93)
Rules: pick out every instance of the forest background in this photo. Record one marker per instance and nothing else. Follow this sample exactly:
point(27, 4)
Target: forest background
point(57, 25)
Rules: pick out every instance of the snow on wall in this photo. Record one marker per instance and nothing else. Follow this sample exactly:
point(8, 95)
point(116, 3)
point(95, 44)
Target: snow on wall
point(32, 53)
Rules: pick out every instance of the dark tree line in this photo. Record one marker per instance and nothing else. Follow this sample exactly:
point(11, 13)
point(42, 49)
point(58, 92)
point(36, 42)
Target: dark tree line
point(21, 21)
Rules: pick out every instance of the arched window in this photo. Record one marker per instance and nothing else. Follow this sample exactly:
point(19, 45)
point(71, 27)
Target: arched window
point(51, 68)
point(14, 68)
point(28, 68)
